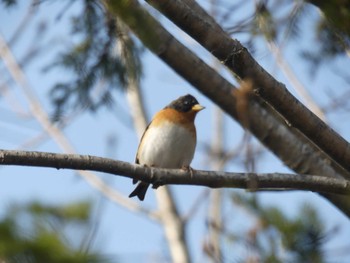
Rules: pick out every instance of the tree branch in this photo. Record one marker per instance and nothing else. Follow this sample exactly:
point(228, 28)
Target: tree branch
point(236, 57)
point(268, 126)
point(158, 176)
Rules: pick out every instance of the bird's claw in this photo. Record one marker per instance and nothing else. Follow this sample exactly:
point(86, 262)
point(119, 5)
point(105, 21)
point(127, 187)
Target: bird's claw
point(188, 169)
point(157, 183)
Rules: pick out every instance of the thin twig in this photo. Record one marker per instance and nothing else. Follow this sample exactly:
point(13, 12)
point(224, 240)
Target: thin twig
point(294, 80)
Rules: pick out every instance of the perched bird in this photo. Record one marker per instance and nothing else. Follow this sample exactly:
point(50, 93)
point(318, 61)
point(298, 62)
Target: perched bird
point(169, 141)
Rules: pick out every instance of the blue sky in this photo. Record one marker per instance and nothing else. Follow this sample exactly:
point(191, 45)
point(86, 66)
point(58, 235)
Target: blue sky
point(121, 232)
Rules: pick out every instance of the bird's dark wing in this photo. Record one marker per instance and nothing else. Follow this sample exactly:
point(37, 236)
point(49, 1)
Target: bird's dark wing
point(137, 161)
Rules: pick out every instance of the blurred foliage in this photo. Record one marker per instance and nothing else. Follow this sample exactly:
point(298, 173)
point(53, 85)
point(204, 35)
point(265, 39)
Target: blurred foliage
point(337, 13)
point(278, 238)
point(36, 233)
point(9, 3)
point(278, 27)
point(331, 31)
point(94, 61)
point(264, 22)
point(95, 66)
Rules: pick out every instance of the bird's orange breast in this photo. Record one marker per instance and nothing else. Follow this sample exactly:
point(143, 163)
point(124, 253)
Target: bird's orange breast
point(185, 119)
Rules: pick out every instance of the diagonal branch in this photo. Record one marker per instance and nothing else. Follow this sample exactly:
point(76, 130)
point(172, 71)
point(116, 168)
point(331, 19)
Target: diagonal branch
point(202, 27)
point(158, 176)
point(268, 126)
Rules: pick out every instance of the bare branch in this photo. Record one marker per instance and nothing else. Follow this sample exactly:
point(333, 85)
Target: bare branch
point(159, 176)
point(294, 149)
point(203, 28)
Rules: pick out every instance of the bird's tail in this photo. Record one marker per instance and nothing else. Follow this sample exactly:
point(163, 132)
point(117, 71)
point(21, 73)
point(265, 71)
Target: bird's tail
point(140, 191)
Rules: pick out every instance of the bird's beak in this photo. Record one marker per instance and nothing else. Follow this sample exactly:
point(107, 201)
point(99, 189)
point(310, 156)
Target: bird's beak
point(197, 107)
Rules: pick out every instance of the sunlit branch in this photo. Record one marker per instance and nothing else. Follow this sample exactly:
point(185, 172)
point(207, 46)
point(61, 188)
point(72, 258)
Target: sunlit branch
point(237, 58)
point(270, 128)
point(158, 176)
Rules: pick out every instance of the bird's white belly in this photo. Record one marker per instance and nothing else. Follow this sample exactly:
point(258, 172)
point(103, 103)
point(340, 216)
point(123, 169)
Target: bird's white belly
point(170, 146)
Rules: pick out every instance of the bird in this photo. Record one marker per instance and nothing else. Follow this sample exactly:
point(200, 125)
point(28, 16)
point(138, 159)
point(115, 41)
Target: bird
point(169, 141)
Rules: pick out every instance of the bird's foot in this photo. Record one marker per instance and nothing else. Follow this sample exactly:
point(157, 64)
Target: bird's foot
point(135, 181)
point(188, 169)
point(156, 181)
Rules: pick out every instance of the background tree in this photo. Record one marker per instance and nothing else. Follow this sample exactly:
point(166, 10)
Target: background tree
point(35, 232)
point(102, 55)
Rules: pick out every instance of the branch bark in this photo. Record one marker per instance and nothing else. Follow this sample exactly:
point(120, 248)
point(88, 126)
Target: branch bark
point(266, 124)
point(210, 35)
point(160, 176)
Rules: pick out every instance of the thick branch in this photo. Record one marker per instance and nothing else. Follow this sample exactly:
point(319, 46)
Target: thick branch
point(266, 125)
point(158, 176)
point(203, 28)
